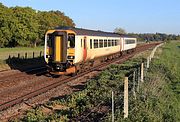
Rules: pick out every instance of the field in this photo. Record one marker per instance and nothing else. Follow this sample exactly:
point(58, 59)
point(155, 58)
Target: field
point(5, 53)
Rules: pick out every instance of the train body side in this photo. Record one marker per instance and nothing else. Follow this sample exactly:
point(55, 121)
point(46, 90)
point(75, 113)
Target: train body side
point(93, 52)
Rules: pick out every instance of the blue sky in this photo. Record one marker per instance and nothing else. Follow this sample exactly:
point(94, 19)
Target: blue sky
point(138, 16)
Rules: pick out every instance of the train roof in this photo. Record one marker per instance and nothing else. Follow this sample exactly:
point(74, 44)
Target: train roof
point(80, 31)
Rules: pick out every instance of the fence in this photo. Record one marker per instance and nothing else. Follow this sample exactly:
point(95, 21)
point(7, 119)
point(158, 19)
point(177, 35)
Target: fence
point(20, 54)
point(20, 60)
point(137, 77)
point(26, 55)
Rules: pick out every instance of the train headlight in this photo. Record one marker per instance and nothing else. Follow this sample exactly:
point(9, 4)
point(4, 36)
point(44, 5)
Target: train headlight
point(47, 56)
point(59, 67)
point(70, 57)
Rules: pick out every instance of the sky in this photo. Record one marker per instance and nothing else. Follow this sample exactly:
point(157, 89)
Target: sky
point(137, 16)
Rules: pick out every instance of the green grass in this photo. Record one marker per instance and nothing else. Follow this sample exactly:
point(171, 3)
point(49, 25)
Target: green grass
point(13, 52)
point(21, 49)
point(170, 58)
point(5, 52)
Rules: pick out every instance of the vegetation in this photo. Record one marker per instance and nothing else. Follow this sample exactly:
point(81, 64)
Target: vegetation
point(21, 56)
point(119, 31)
point(155, 37)
point(24, 26)
point(149, 36)
point(13, 52)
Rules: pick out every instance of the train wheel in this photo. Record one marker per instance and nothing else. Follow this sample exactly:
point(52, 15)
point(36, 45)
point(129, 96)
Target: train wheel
point(74, 74)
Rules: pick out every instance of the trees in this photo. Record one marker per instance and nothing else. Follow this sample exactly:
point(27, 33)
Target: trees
point(27, 26)
point(23, 26)
point(148, 36)
point(6, 21)
point(51, 19)
point(154, 37)
point(119, 30)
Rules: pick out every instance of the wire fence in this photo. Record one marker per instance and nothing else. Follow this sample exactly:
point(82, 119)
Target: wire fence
point(132, 83)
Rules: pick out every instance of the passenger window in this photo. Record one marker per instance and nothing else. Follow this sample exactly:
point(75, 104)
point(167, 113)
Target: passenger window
point(84, 43)
point(100, 43)
point(115, 42)
point(112, 42)
point(90, 43)
point(105, 43)
point(95, 43)
point(129, 41)
point(109, 43)
point(71, 40)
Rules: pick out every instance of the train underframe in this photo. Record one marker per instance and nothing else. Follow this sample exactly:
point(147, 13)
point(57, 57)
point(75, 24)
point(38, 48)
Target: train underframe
point(69, 68)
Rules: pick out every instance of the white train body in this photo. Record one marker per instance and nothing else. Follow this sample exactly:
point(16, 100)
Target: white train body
point(75, 46)
point(92, 53)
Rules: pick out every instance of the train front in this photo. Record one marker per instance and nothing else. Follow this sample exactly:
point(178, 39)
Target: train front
point(59, 51)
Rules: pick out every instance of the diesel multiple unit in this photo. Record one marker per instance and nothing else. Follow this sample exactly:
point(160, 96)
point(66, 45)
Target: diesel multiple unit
point(68, 49)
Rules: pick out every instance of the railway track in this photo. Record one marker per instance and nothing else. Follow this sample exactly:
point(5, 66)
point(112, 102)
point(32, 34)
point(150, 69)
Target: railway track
point(39, 90)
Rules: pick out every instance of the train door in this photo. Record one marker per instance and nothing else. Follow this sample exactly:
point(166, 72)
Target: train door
point(84, 48)
point(59, 47)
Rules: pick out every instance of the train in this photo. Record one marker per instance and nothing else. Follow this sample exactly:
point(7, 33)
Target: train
point(69, 50)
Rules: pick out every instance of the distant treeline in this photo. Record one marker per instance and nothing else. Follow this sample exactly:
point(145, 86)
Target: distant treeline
point(24, 26)
point(155, 37)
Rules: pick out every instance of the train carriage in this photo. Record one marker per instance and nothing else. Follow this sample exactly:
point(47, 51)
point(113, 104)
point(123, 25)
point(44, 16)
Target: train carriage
point(66, 47)
point(128, 43)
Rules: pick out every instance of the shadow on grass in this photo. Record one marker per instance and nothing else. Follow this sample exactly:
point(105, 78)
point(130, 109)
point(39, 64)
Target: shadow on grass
point(26, 65)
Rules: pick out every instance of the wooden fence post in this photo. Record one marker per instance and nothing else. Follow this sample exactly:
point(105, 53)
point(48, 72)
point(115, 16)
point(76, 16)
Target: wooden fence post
point(112, 106)
point(40, 53)
point(134, 84)
point(147, 66)
point(142, 72)
point(33, 54)
point(26, 55)
point(18, 55)
point(9, 59)
point(150, 57)
point(126, 97)
point(137, 74)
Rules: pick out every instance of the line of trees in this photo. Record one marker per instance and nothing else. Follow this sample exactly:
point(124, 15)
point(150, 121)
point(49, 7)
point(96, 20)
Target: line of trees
point(155, 37)
point(149, 36)
point(24, 26)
